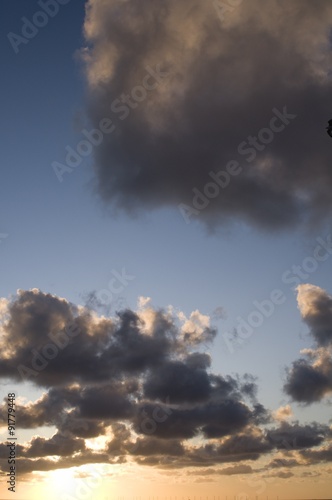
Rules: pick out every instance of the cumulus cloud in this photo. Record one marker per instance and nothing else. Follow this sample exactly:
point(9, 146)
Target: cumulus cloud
point(216, 89)
point(309, 382)
point(310, 377)
point(134, 387)
point(119, 373)
point(315, 305)
point(54, 342)
point(196, 329)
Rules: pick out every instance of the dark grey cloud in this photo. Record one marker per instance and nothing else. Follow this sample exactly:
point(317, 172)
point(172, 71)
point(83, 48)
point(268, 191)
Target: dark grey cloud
point(253, 442)
point(4, 450)
point(212, 419)
point(309, 379)
point(248, 445)
point(154, 446)
point(44, 411)
point(295, 436)
point(57, 445)
point(178, 382)
point(106, 402)
point(317, 456)
point(80, 411)
point(222, 87)
point(244, 446)
point(307, 383)
point(73, 425)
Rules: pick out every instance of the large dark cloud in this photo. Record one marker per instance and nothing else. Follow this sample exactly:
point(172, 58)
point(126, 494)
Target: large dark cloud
point(225, 78)
point(127, 368)
point(310, 378)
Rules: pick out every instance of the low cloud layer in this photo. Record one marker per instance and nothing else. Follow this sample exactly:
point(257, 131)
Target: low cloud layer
point(310, 377)
point(187, 93)
point(142, 384)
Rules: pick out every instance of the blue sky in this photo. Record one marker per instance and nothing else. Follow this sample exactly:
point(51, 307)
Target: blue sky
point(64, 240)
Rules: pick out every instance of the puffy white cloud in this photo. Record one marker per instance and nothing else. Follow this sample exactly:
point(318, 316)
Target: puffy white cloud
point(283, 413)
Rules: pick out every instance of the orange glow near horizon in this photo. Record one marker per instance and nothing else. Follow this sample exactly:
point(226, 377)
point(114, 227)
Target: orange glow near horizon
point(90, 482)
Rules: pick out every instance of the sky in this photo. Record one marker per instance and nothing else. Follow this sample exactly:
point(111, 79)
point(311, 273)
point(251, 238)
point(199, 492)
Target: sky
point(166, 249)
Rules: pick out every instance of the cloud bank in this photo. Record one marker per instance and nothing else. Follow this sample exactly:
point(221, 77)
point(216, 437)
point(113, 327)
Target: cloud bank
point(142, 383)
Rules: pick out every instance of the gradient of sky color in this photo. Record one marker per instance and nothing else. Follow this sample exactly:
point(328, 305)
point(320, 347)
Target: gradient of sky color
point(63, 240)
